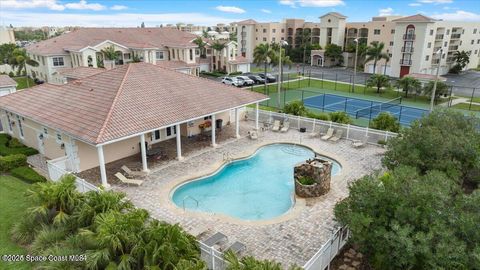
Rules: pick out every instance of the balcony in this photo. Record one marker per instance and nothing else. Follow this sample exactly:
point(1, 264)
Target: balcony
point(455, 36)
point(453, 48)
point(435, 61)
point(407, 49)
point(405, 62)
point(409, 37)
point(439, 37)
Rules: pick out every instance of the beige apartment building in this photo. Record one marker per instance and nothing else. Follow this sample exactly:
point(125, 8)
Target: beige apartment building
point(411, 42)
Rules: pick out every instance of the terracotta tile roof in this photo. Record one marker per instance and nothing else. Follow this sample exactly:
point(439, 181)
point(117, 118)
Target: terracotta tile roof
point(129, 37)
point(249, 21)
point(175, 64)
point(79, 72)
point(415, 18)
point(239, 60)
point(5, 81)
point(336, 14)
point(127, 100)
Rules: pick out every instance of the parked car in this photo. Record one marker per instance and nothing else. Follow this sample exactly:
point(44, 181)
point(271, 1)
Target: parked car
point(246, 80)
point(257, 79)
point(232, 81)
point(269, 77)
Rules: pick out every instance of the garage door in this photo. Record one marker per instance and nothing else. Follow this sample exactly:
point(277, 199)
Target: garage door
point(370, 68)
point(243, 67)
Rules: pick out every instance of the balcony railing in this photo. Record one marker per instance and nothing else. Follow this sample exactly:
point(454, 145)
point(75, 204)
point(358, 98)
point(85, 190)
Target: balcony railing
point(435, 61)
point(407, 49)
point(409, 37)
point(405, 62)
point(455, 36)
point(439, 37)
point(453, 48)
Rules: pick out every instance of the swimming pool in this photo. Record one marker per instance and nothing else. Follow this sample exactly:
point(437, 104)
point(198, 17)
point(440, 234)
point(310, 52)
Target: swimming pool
point(256, 188)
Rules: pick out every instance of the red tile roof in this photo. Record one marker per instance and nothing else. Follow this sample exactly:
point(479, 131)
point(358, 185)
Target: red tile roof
point(175, 64)
point(5, 81)
point(239, 60)
point(249, 21)
point(125, 101)
point(79, 72)
point(129, 37)
point(415, 18)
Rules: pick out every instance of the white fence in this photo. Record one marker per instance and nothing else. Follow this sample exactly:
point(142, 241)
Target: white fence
point(321, 260)
point(350, 132)
point(212, 257)
point(59, 167)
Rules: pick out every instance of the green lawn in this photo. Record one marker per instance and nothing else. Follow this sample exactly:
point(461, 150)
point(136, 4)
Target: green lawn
point(260, 70)
point(466, 106)
point(12, 204)
point(476, 99)
point(22, 82)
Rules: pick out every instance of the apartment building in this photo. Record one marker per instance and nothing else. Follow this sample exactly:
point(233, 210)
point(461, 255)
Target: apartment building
point(167, 47)
point(411, 42)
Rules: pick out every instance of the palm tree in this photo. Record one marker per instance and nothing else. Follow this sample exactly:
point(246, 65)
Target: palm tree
point(306, 41)
point(387, 58)
point(218, 47)
point(378, 81)
point(375, 53)
point(205, 34)
point(201, 45)
point(409, 83)
point(262, 54)
point(462, 58)
point(442, 89)
point(109, 53)
point(19, 59)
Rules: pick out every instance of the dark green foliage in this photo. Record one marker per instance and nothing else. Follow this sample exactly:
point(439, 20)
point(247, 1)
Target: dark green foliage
point(215, 73)
point(26, 35)
point(18, 148)
point(295, 108)
point(319, 116)
point(378, 81)
point(442, 89)
point(444, 140)
point(10, 162)
point(335, 53)
point(15, 143)
point(250, 263)
point(307, 181)
point(340, 117)
point(28, 174)
point(455, 69)
point(385, 121)
point(235, 73)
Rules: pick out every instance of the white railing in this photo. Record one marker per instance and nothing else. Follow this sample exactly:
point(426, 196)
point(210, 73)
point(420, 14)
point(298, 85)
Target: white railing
point(212, 257)
point(58, 168)
point(322, 258)
point(350, 132)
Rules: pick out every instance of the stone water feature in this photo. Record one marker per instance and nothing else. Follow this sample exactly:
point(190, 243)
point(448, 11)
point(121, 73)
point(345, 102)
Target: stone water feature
point(320, 171)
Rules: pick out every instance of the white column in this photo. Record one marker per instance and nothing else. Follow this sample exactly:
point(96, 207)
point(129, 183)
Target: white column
point(257, 113)
point(237, 123)
point(101, 164)
point(143, 150)
point(214, 144)
point(179, 143)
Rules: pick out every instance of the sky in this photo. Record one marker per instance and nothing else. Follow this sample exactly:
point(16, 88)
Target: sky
point(126, 13)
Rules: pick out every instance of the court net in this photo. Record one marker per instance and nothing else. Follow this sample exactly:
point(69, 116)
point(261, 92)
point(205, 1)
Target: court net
point(377, 108)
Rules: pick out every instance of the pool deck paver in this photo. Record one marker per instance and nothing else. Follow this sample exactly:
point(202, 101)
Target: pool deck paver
point(293, 238)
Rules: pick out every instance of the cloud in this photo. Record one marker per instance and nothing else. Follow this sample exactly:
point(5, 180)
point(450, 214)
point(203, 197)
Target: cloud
point(385, 11)
point(265, 11)
point(414, 4)
point(290, 3)
point(230, 9)
point(22, 4)
point(459, 15)
point(118, 7)
point(436, 2)
point(83, 5)
point(109, 20)
point(312, 3)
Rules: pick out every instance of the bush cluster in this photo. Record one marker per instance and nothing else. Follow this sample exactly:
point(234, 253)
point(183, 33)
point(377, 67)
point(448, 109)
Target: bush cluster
point(11, 146)
point(28, 174)
point(7, 163)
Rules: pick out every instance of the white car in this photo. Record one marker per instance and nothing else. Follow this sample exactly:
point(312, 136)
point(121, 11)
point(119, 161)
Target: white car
point(232, 81)
point(246, 80)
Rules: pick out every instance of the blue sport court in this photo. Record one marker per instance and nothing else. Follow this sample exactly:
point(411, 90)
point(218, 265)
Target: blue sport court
point(364, 108)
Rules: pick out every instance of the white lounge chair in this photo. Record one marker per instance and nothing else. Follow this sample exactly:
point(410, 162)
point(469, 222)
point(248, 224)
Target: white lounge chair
point(285, 127)
point(253, 135)
point(276, 125)
point(236, 247)
point(360, 143)
point(128, 181)
point(215, 239)
point(132, 173)
point(337, 136)
point(328, 135)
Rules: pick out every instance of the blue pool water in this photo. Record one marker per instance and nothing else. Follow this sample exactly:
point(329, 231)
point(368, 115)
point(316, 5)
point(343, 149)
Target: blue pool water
point(257, 188)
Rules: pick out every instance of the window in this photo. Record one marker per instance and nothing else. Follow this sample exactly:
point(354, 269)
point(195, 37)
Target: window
point(431, 32)
point(159, 55)
point(10, 128)
point(429, 45)
point(20, 126)
point(475, 30)
point(191, 54)
point(156, 135)
point(478, 41)
point(392, 31)
point(264, 39)
point(273, 39)
point(448, 31)
point(43, 60)
point(427, 57)
point(282, 38)
point(207, 117)
point(264, 30)
point(58, 62)
point(476, 51)
point(445, 44)
point(170, 129)
point(58, 137)
point(45, 130)
point(376, 31)
point(391, 43)
point(283, 30)
point(126, 56)
point(274, 30)
point(463, 31)
point(173, 53)
point(472, 42)
point(256, 30)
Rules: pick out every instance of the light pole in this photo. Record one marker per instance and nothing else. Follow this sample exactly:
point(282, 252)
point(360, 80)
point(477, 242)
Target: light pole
point(279, 95)
point(355, 64)
point(432, 100)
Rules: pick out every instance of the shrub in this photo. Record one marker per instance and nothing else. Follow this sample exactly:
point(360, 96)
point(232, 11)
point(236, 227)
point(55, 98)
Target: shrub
point(14, 143)
point(305, 180)
point(455, 69)
point(340, 117)
point(235, 73)
point(10, 162)
point(295, 108)
point(11, 74)
point(385, 121)
point(7, 147)
point(28, 174)
point(319, 116)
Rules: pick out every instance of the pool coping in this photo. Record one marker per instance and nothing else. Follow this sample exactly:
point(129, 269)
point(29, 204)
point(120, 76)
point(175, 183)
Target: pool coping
point(297, 207)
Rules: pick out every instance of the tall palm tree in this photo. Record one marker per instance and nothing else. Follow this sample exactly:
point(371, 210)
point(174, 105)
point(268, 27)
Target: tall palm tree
point(20, 60)
point(306, 41)
point(218, 47)
point(387, 58)
point(378, 81)
point(262, 54)
point(201, 45)
point(409, 83)
point(375, 53)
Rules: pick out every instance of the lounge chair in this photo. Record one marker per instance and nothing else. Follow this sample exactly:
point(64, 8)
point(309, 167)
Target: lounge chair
point(337, 136)
point(215, 239)
point(132, 173)
point(285, 127)
point(328, 135)
point(360, 143)
point(253, 135)
point(236, 247)
point(127, 181)
point(276, 125)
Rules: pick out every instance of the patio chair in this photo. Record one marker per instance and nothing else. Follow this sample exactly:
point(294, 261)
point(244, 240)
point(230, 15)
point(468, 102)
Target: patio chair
point(360, 143)
point(337, 136)
point(285, 127)
point(132, 173)
point(128, 181)
point(253, 135)
point(215, 239)
point(236, 247)
point(328, 135)
point(276, 125)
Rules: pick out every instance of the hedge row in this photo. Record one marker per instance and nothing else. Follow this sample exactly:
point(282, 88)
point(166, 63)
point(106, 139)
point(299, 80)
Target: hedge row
point(10, 162)
point(11, 146)
point(27, 174)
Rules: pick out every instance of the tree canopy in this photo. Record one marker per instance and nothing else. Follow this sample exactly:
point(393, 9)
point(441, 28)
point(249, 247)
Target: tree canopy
point(385, 121)
point(378, 81)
